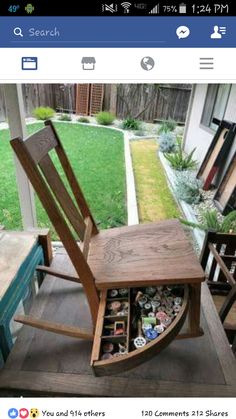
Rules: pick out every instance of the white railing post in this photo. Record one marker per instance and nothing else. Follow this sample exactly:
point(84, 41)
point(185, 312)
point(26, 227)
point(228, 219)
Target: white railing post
point(17, 126)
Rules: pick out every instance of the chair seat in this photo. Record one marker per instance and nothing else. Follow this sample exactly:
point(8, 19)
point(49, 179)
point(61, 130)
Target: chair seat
point(146, 254)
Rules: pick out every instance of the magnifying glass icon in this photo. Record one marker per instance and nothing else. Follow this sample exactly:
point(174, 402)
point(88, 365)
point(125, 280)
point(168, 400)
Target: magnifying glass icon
point(18, 32)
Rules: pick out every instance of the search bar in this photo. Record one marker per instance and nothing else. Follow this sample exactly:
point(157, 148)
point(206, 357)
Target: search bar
point(37, 32)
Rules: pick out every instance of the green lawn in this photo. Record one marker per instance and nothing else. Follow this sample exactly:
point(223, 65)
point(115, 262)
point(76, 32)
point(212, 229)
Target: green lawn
point(155, 200)
point(97, 156)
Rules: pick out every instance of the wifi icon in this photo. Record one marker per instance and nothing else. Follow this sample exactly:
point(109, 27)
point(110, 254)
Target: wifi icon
point(126, 6)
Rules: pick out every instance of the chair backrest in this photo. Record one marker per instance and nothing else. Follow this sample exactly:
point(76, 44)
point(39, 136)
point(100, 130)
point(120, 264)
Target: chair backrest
point(67, 210)
point(218, 258)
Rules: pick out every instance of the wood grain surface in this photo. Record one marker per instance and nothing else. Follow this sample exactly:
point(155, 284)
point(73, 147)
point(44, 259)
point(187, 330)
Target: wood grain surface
point(142, 255)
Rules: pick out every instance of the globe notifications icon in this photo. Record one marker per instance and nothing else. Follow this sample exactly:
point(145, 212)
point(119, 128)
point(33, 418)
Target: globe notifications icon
point(147, 63)
point(182, 32)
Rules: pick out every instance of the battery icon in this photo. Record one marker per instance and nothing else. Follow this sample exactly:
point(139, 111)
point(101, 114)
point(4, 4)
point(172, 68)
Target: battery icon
point(182, 8)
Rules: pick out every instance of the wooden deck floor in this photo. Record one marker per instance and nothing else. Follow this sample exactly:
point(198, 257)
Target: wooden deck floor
point(46, 364)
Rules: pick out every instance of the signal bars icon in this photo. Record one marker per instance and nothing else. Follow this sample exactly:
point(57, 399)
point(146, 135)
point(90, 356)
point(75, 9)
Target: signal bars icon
point(155, 10)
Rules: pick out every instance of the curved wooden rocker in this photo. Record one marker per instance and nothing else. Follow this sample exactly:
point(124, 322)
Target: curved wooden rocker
point(127, 257)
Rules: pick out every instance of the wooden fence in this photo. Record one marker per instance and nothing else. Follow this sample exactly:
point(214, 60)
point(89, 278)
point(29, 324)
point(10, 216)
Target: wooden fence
point(168, 101)
point(57, 96)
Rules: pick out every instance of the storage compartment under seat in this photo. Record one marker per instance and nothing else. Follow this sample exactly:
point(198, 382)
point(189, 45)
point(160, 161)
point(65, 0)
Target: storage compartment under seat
point(135, 324)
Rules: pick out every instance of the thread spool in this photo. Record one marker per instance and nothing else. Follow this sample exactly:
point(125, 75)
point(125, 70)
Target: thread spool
point(151, 334)
point(108, 347)
point(123, 292)
point(150, 291)
point(178, 301)
point(106, 356)
point(155, 304)
point(166, 321)
point(142, 301)
point(159, 328)
point(113, 293)
point(115, 306)
point(139, 341)
point(147, 307)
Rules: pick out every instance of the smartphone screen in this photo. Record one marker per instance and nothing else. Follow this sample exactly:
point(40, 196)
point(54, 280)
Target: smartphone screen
point(117, 209)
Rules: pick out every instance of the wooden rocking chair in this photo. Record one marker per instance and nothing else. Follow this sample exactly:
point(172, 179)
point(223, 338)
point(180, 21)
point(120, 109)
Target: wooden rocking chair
point(126, 257)
point(219, 257)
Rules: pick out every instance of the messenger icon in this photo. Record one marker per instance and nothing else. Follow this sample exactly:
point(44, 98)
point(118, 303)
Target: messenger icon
point(182, 32)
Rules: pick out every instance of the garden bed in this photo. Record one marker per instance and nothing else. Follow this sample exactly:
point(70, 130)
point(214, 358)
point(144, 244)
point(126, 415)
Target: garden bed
point(187, 209)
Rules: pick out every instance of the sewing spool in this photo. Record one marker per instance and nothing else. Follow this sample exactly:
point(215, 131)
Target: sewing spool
point(123, 292)
point(178, 301)
point(106, 356)
point(147, 307)
point(115, 306)
point(108, 347)
point(113, 293)
point(151, 334)
point(139, 341)
point(155, 305)
point(151, 291)
point(142, 301)
point(159, 328)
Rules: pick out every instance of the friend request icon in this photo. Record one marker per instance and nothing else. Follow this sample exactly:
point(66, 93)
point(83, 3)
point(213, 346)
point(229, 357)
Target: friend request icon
point(12, 413)
point(182, 32)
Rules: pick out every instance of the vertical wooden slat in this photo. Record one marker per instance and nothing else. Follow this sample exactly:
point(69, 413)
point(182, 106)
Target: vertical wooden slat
point(82, 99)
point(96, 98)
point(62, 195)
point(75, 187)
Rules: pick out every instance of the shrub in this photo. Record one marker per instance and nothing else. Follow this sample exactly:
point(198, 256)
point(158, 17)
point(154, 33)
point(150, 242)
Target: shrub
point(167, 126)
point(105, 118)
point(167, 142)
point(211, 221)
point(43, 113)
point(130, 123)
point(187, 187)
point(83, 119)
point(65, 117)
point(179, 160)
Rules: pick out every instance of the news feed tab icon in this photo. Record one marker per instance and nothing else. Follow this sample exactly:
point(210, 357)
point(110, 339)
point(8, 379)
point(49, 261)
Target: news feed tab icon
point(88, 63)
point(182, 32)
point(147, 63)
point(112, 8)
point(29, 63)
point(218, 32)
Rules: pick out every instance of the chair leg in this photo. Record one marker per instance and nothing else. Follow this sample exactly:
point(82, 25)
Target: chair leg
point(229, 301)
point(60, 329)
